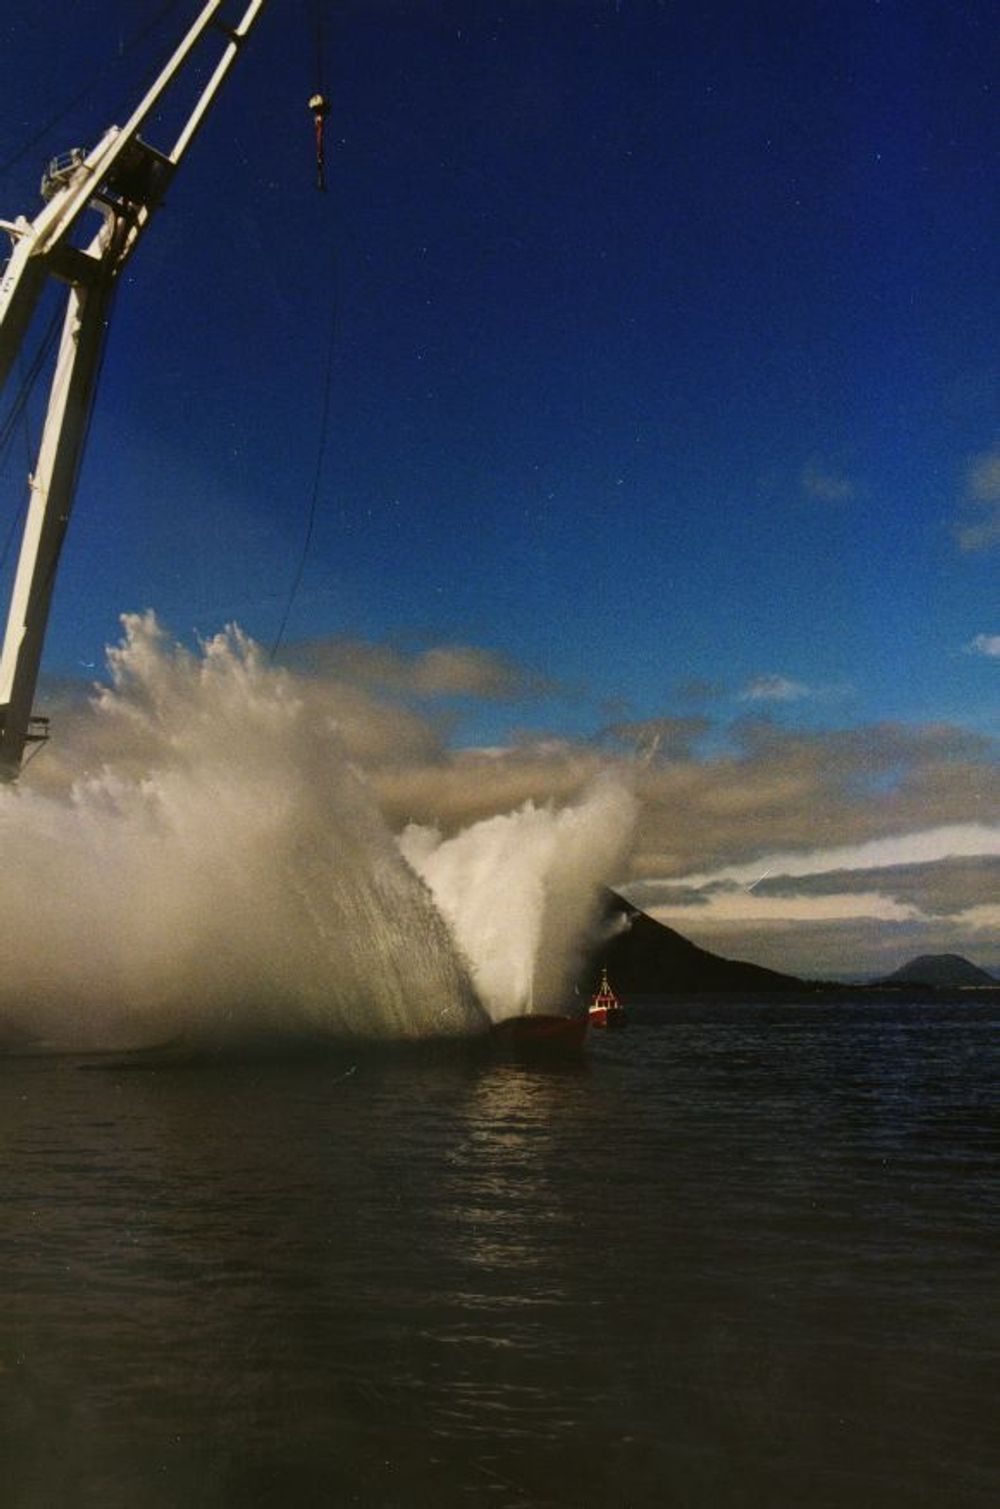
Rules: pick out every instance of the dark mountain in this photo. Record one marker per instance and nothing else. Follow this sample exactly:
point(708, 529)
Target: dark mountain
point(939, 970)
point(644, 957)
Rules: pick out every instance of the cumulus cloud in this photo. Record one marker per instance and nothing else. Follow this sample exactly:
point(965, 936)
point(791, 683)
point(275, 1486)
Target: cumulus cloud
point(899, 811)
point(956, 840)
point(943, 888)
point(773, 688)
point(442, 671)
point(980, 528)
point(777, 688)
point(468, 786)
point(819, 818)
point(742, 851)
point(744, 906)
point(860, 800)
point(797, 911)
point(985, 644)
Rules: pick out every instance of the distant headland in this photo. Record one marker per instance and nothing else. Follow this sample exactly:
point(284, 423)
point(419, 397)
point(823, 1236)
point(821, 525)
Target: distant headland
point(646, 958)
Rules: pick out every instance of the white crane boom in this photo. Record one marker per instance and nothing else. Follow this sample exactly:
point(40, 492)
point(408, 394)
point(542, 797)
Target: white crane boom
point(124, 179)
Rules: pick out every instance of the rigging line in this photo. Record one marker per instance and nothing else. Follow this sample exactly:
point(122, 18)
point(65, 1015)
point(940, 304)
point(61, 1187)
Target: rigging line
point(6, 443)
point(136, 39)
point(324, 427)
point(12, 531)
point(18, 410)
point(28, 381)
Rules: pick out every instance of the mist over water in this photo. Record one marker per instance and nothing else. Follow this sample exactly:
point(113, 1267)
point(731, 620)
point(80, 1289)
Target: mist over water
point(225, 872)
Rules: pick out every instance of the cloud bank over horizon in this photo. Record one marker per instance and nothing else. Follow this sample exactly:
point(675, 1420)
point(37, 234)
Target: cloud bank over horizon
point(839, 851)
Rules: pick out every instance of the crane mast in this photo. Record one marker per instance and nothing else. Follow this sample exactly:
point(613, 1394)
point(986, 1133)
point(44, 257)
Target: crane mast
point(123, 179)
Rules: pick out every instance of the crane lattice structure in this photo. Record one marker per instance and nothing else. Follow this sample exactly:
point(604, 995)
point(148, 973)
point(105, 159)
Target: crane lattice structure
point(124, 179)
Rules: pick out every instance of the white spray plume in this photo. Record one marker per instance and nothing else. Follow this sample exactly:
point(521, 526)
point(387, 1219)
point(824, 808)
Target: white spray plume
point(522, 891)
point(229, 873)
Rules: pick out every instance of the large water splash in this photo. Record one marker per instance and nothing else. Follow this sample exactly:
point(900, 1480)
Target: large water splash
point(227, 874)
point(220, 870)
point(522, 890)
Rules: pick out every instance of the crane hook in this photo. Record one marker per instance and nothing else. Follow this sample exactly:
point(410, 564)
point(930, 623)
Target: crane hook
point(320, 108)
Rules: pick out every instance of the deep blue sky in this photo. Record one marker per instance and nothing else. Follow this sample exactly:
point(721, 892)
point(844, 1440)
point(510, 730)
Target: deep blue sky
point(665, 348)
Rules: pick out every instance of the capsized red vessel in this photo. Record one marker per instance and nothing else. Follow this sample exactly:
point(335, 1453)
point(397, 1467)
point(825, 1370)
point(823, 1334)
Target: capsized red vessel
point(606, 1009)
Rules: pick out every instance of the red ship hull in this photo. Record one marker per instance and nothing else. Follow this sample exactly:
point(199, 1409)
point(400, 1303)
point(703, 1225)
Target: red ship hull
point(542, 1031)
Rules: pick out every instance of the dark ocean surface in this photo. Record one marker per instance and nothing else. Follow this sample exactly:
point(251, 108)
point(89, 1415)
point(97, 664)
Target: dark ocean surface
point(745, 1257)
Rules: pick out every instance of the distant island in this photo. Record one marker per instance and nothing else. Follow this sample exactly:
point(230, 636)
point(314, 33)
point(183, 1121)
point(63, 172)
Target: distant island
point(646, 958)
point(937, 971)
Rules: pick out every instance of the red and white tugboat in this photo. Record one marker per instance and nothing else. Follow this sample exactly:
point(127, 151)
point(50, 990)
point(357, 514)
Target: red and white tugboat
point(605, 1008)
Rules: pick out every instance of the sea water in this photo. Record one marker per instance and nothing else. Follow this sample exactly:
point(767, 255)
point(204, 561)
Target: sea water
point(734, 1256)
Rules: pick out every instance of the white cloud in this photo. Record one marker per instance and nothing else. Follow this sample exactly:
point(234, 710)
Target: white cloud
point(953, 841)
point(442, 671)
point(976, 919)
point(776, 802)
point(982, 495)
point(774, 688)
point(817, 934)
point(984, 644)
point(984, 476)
point(723, 908)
